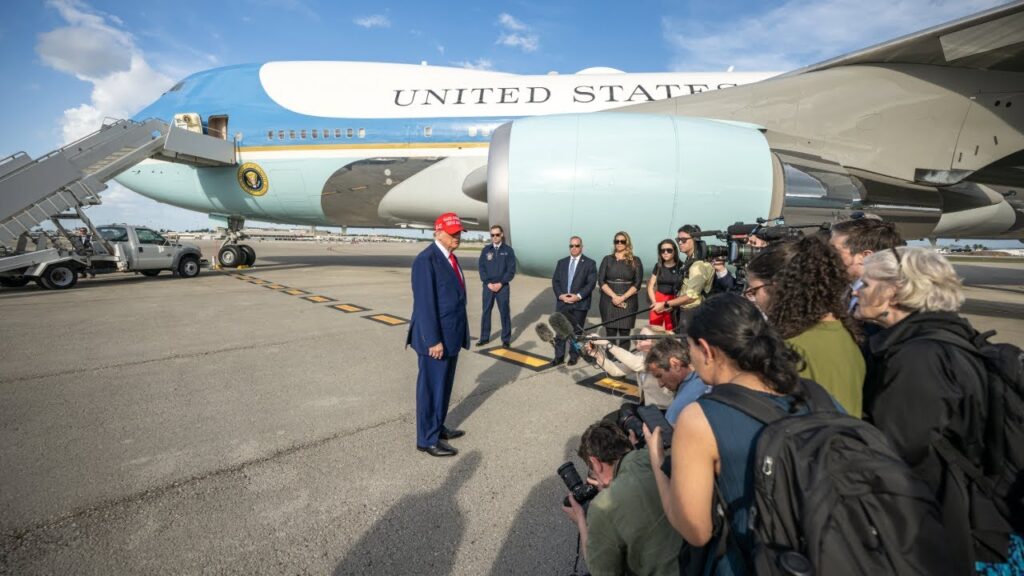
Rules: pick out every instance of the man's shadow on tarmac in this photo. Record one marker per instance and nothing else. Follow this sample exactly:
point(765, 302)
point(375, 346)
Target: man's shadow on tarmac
point(541, 539)
point(420, 534)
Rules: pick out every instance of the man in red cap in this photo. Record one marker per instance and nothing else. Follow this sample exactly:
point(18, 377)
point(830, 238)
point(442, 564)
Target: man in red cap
point(438, 330)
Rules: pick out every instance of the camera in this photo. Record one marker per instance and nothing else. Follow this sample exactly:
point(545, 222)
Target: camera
point(629, 421)
point(580, 490)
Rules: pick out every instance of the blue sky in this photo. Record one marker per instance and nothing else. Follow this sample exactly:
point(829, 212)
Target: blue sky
point(70, 63)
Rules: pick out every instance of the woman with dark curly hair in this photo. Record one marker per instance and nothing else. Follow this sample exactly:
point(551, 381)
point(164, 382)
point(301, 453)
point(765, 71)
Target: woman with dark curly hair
point(801, 287)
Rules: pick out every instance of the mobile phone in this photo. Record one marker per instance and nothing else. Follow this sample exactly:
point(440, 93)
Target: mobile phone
point(653, 417)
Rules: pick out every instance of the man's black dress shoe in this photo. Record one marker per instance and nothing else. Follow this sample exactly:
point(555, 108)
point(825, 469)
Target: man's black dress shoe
point(440, 449)
point(482, 342)
point(572, 361)
point(451, 433)
point(505, 344)
point(555, 362)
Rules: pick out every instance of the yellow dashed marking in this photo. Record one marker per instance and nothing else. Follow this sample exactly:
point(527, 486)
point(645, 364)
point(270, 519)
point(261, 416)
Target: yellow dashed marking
point(387, 319)
point(275, 286)
point(295, 292)
point(518, 357)
point(614, 386)
point(318, 299)
point(349, 308)
point(259, 282)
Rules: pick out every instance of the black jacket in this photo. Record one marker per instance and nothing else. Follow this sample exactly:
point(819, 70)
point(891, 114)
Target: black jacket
point(918, 390)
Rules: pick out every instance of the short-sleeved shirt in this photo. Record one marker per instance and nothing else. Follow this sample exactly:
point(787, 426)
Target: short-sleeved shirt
point(698, 283)
point(628, 532)
point(691, 389)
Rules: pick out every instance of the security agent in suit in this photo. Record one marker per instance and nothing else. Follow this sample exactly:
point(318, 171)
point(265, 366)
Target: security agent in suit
point(438, 330)
point(572, 283)
point(497, 267)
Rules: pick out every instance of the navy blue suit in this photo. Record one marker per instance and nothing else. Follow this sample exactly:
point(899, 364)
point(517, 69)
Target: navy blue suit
point(438, 315)
point(583, 282)
point(497, 266)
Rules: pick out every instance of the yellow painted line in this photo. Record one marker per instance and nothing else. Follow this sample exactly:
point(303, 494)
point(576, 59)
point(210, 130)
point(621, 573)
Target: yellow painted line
point(382, 146)
point(275, 286)
point(318, 299)
point(519, 357)
point(350, 308)
point(259, 282)
point(387, 319)
point(295, 292)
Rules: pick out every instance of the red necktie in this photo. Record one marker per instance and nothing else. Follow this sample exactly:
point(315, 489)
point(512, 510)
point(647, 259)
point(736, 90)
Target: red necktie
point(455, 266)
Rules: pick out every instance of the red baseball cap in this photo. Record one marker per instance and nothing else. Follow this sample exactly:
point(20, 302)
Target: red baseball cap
point(449, 222)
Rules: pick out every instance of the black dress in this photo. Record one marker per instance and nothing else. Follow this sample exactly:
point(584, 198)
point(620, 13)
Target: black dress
point(619, 276)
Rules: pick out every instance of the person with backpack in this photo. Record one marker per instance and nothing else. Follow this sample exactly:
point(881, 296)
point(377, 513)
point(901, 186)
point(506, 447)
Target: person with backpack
point(928, 388)
point(769, 476)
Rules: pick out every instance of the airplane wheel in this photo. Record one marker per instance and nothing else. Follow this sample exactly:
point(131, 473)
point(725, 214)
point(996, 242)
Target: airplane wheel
point(59, 277)
point(230, 256)
point(248, 254)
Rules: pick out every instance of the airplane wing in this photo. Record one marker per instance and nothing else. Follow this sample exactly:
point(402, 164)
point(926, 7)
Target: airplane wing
point(990, 40)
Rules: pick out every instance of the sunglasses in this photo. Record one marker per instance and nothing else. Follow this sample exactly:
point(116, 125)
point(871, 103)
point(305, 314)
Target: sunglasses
point(683, 240)
point(668, 250)
point(498, 235)
point(575, 245)
point(619, 241)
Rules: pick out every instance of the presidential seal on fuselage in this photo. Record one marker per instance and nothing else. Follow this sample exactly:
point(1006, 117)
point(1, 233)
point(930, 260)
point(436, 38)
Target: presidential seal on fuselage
point(253, 179)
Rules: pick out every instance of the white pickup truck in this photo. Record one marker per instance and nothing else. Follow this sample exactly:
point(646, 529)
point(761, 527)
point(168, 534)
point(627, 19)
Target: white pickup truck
point(118, 248)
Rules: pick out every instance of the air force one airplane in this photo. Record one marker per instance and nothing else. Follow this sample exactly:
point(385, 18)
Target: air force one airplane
point(926, 131)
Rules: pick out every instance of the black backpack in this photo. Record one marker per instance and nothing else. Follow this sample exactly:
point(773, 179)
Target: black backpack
point(996, 494)
point(831, 496)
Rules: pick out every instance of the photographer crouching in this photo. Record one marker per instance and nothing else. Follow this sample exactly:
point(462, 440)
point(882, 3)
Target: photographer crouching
point(624, 530)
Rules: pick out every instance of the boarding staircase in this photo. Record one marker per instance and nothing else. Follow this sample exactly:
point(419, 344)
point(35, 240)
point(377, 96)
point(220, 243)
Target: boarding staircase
point(71, 178)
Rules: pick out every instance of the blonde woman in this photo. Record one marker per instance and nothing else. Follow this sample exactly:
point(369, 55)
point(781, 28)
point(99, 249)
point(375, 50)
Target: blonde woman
point(619, 278)
point(607, 354)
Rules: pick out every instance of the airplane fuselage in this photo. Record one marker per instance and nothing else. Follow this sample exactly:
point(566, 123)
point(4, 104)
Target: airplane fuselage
point(367, 144)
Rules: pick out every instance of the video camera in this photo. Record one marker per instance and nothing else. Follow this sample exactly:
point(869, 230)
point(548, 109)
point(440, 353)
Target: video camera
point(738, 249)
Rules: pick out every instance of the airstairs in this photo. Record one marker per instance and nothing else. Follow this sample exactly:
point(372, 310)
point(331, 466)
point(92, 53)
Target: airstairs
point(71, 178)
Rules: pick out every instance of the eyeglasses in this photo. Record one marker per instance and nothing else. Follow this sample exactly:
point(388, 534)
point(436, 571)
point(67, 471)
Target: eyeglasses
point(575, 245)
point(668, 250)
point(498, 235)
point(752, 291)
point(683, 240)
point(620, 241)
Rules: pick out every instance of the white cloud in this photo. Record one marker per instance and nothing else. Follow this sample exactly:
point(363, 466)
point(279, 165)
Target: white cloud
point(440, 48)
point(478, 64)
point(802, 32)
point(509, 22)
point(516, 34)
point(374, 21)
point(95, 50)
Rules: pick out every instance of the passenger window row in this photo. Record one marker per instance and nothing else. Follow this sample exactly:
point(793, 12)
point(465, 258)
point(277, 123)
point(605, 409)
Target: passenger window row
point(316, 134)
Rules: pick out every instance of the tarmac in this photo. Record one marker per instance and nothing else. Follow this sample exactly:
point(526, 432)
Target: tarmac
point(237, 423)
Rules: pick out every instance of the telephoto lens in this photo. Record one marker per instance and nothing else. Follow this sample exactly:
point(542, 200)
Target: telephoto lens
point(629, 421)
point(581, 491)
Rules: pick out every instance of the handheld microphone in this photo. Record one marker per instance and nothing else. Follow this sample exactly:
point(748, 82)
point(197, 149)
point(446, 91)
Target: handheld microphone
point(562, 326)
point(544, 333)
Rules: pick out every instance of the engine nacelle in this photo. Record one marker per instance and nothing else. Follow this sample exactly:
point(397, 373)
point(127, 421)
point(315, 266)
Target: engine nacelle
point(591, 175)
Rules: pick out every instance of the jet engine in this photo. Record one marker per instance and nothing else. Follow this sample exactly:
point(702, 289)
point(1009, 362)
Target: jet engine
point(591, 175)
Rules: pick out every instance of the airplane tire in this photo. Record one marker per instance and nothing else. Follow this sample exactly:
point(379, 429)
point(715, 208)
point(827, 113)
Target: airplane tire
point(248, 254)
point(59, 277)
point(188, 267)
point(230, 256)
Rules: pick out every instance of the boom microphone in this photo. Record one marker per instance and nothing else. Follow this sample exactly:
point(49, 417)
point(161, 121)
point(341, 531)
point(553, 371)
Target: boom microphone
point(562, 326)
point(544, 333)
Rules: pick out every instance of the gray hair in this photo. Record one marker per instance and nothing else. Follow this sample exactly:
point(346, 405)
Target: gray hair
point(666, 349)
point(924, 280)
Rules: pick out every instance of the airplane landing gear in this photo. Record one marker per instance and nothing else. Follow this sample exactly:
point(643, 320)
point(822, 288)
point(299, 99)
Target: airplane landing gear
point(232, 254)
